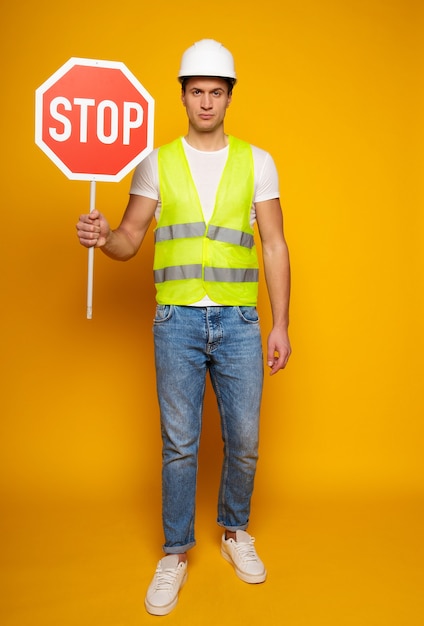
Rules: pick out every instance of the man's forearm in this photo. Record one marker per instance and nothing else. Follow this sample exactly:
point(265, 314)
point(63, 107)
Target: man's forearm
point(119, 245)
point(277, 276)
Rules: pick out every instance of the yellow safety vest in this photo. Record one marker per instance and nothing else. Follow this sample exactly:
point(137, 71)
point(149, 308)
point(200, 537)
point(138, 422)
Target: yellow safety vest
point(193, 258)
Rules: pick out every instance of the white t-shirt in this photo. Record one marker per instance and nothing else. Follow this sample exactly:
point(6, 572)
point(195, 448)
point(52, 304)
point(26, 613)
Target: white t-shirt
point(206, 169)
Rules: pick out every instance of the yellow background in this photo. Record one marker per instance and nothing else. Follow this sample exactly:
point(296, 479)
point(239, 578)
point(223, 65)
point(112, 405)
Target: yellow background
point(334, 91)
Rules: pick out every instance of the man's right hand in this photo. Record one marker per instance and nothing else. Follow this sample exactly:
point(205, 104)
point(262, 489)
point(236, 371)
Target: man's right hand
point(93, 230)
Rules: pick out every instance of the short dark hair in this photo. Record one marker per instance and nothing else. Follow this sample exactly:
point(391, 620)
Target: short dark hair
point(229, 81)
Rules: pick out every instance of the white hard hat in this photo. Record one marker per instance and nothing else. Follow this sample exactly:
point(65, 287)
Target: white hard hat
point(207, 58)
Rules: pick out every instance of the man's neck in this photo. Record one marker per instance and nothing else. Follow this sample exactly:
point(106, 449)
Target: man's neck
point(206, 142)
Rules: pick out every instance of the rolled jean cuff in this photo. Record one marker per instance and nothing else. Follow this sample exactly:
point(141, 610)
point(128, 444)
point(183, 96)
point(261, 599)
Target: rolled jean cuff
point(233, 529)
point(179, 549)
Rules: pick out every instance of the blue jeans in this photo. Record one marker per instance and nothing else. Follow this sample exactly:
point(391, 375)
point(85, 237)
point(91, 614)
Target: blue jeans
point(189, 342)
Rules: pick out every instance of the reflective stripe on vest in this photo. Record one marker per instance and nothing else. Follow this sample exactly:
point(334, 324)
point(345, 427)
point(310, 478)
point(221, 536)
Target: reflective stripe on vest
point(178, 272)
point(197, 229)
point(227, 275)
point(212, 274)
point(180, 231)
point(230, 235)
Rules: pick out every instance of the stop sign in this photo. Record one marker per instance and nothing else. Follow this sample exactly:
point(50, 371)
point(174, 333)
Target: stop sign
point(94, 120)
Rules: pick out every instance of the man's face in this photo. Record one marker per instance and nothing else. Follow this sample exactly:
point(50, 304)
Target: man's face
point(206, 101)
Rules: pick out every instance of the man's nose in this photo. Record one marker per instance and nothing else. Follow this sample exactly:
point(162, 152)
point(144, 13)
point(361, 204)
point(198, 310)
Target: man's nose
point(206, 101)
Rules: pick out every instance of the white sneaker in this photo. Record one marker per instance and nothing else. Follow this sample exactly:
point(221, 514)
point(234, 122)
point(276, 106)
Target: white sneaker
point(242, 555)
point(162, 594)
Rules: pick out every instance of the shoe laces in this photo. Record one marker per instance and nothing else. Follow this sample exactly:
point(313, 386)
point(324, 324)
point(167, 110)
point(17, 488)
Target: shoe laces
point(245, 550)
point(165, 578)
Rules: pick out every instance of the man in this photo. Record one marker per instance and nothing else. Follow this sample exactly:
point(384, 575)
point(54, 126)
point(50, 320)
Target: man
point(206, 191)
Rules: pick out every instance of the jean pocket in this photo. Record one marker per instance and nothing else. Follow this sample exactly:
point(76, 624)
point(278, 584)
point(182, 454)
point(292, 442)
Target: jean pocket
point(163, 313)
point(249, 314)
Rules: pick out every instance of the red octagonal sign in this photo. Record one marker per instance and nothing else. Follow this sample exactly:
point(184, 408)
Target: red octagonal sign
point(94, 119)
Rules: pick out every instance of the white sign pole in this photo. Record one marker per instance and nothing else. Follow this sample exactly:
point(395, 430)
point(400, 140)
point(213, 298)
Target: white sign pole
point(91, 256)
